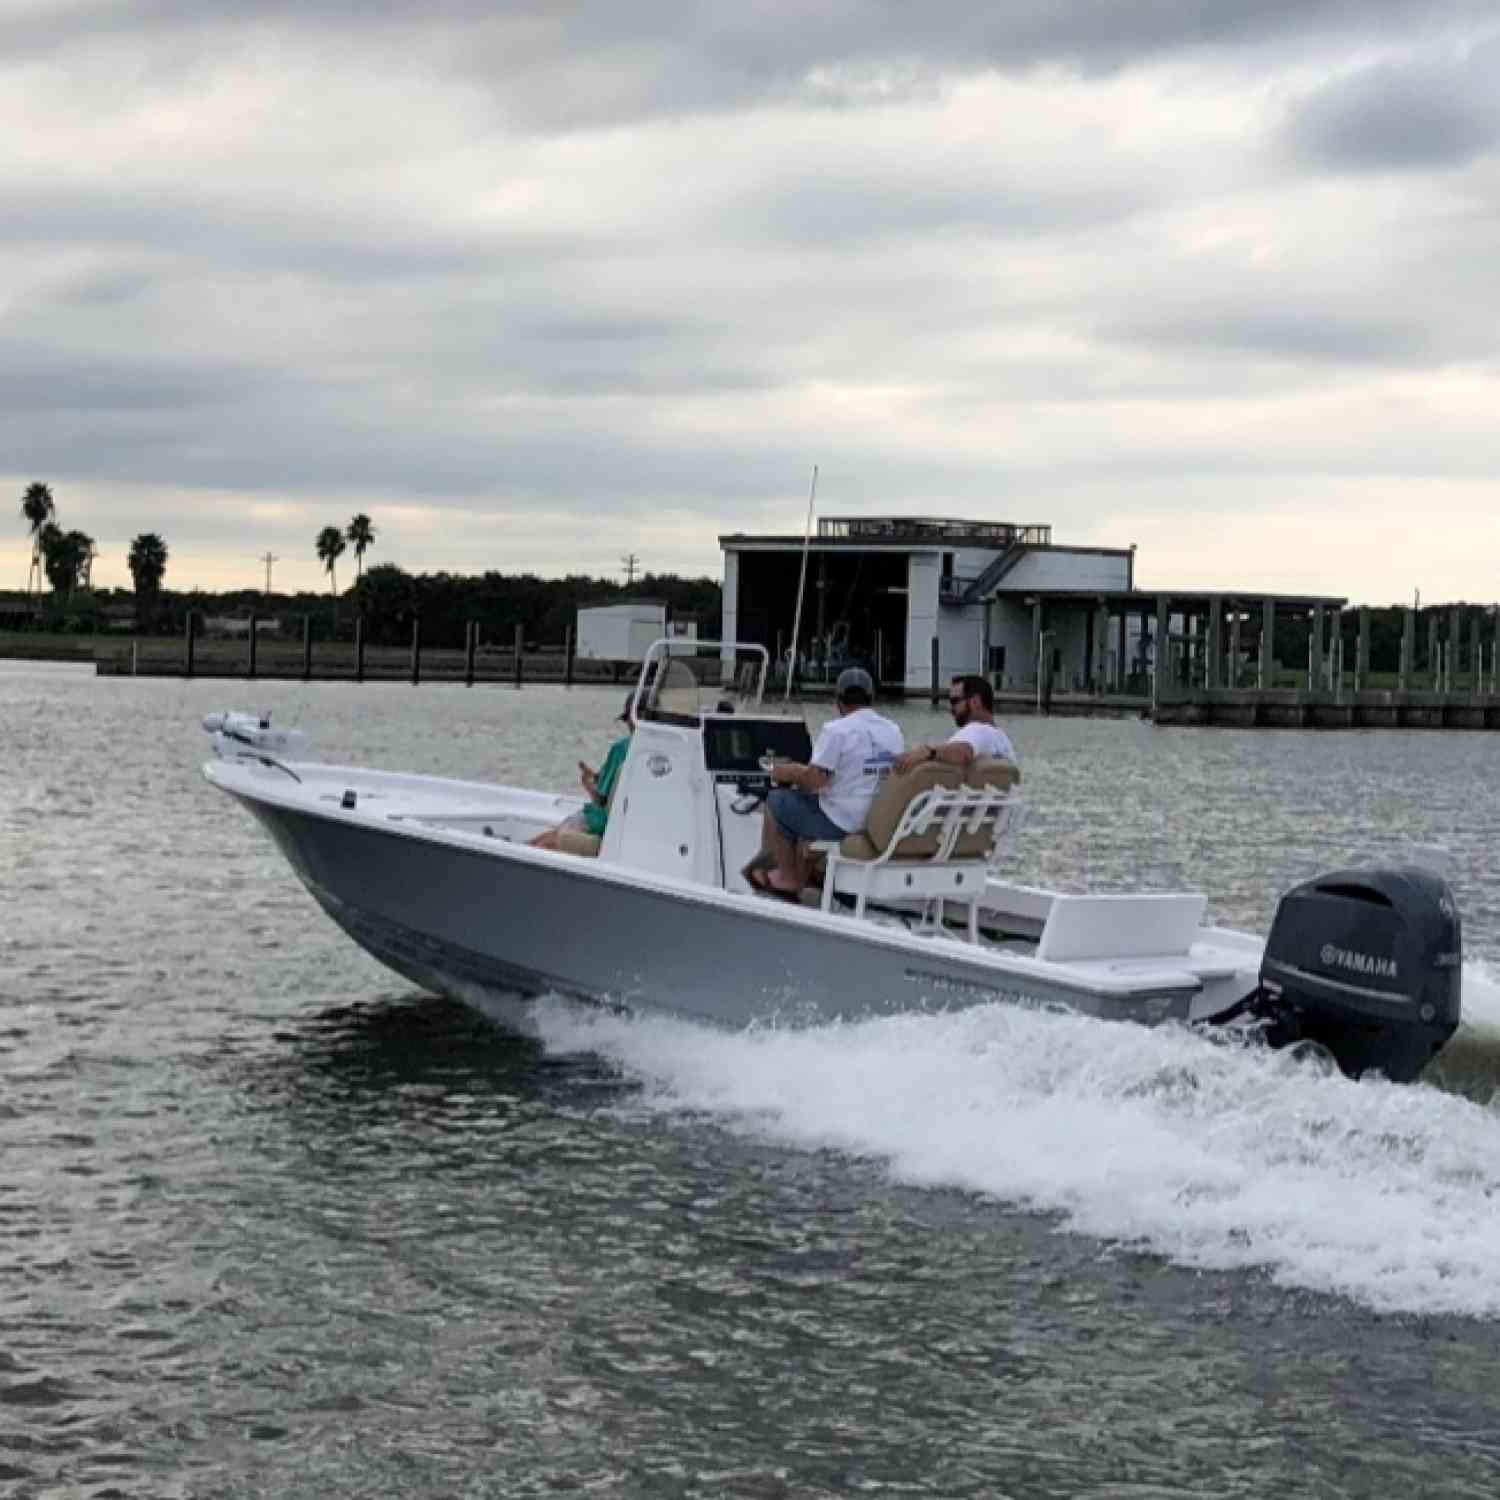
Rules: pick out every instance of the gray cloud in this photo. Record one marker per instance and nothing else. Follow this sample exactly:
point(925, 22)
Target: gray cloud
point(598, 61)
point(260, 228)
point(1297, 330)
point(1406, 114)
point(833, 202)
point(37, 378)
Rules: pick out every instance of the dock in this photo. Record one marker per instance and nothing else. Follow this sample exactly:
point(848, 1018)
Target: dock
point(1311, 709)
point(337, 663)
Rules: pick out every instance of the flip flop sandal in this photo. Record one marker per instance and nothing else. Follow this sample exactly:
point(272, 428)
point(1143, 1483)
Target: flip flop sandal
point(772, 889)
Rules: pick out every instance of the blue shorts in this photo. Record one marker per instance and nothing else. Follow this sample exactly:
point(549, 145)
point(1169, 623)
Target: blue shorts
point(799, 816)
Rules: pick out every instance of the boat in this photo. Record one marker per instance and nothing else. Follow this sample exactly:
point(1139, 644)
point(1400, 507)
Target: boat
point(437, 879)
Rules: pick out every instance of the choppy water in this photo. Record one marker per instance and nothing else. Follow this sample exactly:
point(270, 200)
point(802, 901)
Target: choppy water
point(272, 1223)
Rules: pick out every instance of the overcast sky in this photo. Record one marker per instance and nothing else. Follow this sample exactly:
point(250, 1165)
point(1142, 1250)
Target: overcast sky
point(539, 285)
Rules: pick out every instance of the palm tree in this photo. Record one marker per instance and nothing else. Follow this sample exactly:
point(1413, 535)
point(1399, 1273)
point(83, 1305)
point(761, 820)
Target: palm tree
point(64, 555)
point(148, 565)
point(330, 549)
point(361, 535)
point(37, 507)
point(78, 546)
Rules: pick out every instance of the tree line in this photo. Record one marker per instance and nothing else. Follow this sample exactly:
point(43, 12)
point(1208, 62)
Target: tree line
point(386, 598)
point(389, 600)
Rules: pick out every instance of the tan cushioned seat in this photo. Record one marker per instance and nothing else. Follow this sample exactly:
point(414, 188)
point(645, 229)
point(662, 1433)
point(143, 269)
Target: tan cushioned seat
point(987, 770)
point(857, 846)
point(990, 770)
point(891, 801)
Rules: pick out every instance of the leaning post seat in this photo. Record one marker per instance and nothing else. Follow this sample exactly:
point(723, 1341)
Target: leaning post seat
point(896, 794)
point(931, 836)
point(986, 771)
point(991, 770)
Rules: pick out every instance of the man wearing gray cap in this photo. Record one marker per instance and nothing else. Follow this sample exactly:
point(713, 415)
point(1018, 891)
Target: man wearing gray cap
point(831, 795)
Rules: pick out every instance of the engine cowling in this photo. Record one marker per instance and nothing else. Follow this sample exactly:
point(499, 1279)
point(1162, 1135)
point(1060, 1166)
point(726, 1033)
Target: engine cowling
point(1369, 964)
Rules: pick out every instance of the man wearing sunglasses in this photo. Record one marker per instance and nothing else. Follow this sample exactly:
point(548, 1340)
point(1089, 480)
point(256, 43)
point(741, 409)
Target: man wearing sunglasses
point(972, 703)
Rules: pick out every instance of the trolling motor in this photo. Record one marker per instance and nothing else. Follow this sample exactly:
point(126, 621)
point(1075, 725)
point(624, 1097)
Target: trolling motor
point(242, 736)
point(1367, 964)
point(236, 733)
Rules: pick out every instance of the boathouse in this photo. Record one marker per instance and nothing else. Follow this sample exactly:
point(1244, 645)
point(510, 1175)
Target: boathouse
point(917, 599)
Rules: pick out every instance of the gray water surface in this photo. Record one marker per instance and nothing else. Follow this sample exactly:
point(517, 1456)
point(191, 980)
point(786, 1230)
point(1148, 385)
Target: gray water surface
point(273, 1223)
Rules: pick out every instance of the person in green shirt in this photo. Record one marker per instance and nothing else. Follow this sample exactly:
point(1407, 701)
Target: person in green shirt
point(597, 785)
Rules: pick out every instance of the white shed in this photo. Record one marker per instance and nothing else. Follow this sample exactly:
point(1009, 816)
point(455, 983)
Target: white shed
point(621, 632)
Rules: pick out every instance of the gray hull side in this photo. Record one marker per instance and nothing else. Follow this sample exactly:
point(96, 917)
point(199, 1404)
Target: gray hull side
point(450, 919)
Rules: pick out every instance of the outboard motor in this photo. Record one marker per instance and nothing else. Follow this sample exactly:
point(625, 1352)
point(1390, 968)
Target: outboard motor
point(1367, 963)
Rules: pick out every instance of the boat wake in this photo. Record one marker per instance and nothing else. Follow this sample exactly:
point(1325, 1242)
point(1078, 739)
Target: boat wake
point(1470, 1063)
point(1216, 1157)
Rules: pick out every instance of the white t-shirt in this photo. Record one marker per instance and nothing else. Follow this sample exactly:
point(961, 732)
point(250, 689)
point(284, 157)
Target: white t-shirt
point(857, 751)
point(985, 740)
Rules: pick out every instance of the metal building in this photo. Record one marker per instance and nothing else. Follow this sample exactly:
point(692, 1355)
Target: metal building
point(880, 590)
point(917, 599)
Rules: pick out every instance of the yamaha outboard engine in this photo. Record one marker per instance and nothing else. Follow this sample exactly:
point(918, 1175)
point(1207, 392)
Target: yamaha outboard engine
point(1367, 963)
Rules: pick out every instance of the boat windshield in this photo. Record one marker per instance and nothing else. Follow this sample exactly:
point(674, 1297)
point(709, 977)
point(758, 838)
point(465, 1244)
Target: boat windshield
point(685, 679)
point(677, 690)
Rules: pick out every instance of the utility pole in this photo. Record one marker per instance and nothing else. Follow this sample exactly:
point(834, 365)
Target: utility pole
point(268, 558)
point(631, 563)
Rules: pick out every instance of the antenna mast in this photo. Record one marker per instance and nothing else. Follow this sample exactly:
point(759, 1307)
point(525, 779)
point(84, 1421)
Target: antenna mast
point(801, 585)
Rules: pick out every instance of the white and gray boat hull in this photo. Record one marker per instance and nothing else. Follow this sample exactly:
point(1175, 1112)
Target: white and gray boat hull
point(505, 919)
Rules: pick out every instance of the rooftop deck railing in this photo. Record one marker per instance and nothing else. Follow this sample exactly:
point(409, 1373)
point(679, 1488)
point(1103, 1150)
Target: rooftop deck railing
point(932, 529)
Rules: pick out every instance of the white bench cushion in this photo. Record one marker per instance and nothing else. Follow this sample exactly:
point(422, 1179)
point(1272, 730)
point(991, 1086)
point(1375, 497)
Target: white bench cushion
point(1088, 927)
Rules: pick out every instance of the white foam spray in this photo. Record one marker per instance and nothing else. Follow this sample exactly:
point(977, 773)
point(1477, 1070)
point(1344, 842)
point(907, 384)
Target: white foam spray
point(1215, 1156)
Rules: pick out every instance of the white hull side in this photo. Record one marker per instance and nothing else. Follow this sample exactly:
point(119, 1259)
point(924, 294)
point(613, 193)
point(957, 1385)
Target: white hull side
point(451, 915)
